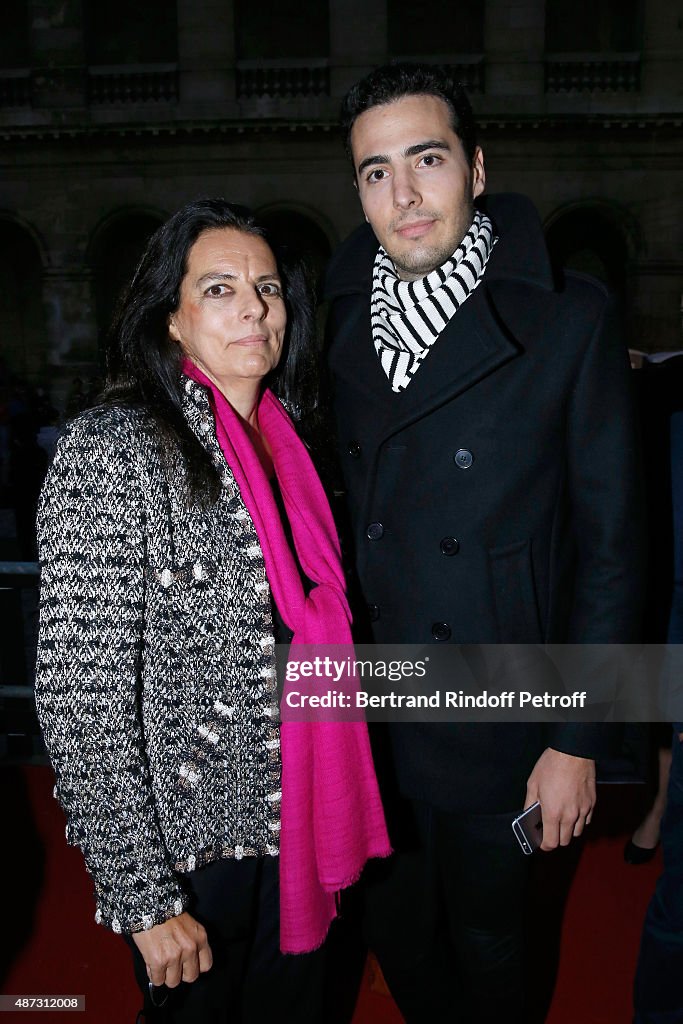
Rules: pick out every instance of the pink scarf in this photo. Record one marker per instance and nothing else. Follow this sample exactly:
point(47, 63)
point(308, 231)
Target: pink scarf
point(331, 818)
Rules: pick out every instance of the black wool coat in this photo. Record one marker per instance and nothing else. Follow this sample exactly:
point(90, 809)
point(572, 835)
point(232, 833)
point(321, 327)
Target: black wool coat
point(496, 499)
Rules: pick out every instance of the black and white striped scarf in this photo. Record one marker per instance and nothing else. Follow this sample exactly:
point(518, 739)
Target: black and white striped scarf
point(408, 316)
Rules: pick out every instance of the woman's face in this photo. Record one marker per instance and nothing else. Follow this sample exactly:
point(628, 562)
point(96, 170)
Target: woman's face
point(231, 317)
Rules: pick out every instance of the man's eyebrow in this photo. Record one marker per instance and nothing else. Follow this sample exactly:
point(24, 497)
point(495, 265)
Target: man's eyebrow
point(419, 147)
point(370, 161)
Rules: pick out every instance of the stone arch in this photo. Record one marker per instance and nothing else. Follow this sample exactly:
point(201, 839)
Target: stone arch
point(114, 250)
point(304, 231)
point(23, 259)
point(9, 216)
point(595, 236)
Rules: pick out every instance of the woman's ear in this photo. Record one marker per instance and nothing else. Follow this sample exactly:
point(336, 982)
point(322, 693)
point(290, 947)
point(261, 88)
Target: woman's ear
point(173, 331)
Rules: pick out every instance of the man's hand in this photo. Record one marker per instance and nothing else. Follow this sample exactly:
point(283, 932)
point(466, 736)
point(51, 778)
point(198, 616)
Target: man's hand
point(177, 950)
point(565, 787)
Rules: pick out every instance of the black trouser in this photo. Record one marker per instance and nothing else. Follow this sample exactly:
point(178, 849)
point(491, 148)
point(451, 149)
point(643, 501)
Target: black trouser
point(445, 918)
point(251, 981)
point(658, 990)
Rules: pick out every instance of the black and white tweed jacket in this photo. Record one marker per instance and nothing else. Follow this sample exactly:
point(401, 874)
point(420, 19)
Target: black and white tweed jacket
point(155, 681)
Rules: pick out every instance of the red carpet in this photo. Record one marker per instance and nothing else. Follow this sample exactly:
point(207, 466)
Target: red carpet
point(601, 935)
point(57, 949)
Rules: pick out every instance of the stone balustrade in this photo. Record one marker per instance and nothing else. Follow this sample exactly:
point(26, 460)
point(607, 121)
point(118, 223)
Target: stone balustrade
point(124, 84)
point(256, 78)
point(468, 69)
point(15, 88)
point(592, 73)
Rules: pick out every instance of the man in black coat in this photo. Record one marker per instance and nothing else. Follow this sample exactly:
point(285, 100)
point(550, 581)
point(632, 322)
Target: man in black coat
point(488, 448)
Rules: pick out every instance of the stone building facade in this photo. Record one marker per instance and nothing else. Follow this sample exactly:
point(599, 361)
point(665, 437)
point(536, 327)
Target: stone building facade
point(113, 116)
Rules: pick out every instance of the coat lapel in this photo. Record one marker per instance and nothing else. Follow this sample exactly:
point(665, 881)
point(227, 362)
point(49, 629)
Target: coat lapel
point(473, 345)
point(352, 355)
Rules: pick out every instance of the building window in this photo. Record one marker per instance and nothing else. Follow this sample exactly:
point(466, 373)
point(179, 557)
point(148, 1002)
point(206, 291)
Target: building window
point(593, 26)
point(285, 60)
point(130, 32)
point(131, 52)
point(434, 27)
point(592, 46)
point(282, 30)
point(14, 38)
point(447, 33)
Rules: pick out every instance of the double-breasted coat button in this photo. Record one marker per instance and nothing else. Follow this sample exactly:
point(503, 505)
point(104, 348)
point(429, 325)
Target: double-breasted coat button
point(463, 458)
point(449, 546)
point(373, 612)
point(375, 531)
point(354, 449)
point(441, 631)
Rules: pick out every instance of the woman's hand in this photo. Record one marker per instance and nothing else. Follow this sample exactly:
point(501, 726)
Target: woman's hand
point(177, 950)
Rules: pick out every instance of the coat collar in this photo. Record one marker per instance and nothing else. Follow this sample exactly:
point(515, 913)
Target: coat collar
point(473, 345)
point(492, 328)
point(520, 254)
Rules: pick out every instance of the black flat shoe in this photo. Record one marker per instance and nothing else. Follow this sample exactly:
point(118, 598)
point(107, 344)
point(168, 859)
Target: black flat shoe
point(634, 854)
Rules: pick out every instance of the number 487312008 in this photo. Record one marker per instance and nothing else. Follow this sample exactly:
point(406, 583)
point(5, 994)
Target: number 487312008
point(41, 1002)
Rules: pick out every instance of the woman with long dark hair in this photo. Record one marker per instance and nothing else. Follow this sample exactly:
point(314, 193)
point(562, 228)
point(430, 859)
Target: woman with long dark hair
point(183, 532)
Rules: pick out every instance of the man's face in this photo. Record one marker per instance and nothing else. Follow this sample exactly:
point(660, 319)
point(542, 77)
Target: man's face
point(414, 181)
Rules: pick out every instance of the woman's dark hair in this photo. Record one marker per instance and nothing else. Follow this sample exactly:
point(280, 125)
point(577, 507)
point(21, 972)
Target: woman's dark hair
point(396, 81)
point(143, 362)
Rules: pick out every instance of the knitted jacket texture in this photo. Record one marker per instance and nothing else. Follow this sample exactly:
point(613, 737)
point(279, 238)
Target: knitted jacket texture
point(155, 680)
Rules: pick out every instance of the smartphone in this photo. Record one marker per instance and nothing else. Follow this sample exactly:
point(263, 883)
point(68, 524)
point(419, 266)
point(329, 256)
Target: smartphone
point(528, 828)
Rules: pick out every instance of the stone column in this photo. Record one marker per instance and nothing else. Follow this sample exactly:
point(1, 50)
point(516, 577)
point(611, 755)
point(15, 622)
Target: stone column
point(57, 53)
point(358, 41)
point(656, 287)
point(206, 51)
point(662, 55)
point(71, 328)
point(514, 41)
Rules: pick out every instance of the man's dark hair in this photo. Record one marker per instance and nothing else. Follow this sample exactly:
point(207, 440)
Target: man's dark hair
point(395, 81)
point(143, 362)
